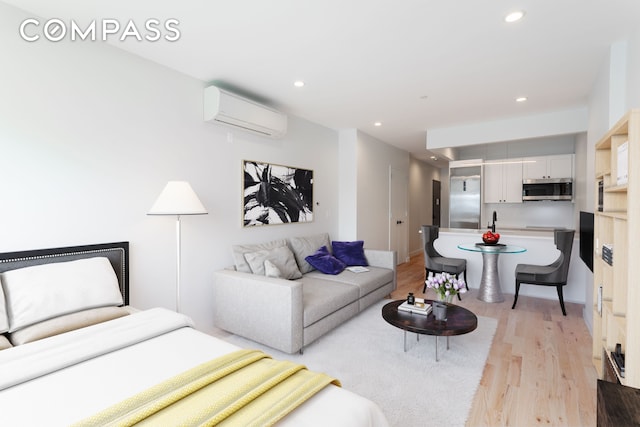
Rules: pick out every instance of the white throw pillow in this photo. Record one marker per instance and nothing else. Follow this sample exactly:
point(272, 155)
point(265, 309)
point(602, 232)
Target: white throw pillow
point(271, 270)
point(281, 257)
point(302, 247)
point(240, 250)
point(45, 291)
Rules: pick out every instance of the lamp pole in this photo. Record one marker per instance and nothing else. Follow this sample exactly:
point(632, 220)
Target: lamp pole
point(178, 263)
point(178, 198)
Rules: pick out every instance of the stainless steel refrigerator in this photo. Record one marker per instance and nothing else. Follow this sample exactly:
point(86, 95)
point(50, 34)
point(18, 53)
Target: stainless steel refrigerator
point(464, 198)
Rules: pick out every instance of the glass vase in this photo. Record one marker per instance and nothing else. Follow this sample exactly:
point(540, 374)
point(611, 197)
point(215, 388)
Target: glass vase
point(446, 298)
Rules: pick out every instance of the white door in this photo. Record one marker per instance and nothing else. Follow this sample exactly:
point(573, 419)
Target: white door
point(398, 214)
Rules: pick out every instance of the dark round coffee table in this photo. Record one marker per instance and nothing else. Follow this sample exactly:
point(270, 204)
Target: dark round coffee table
point(459, 321)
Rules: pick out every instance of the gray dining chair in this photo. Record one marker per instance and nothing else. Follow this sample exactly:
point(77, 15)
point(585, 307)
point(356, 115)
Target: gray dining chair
point(554, 274)
point(436, 263)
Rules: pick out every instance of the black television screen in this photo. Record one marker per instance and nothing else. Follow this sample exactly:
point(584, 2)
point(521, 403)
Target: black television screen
point(586, 238)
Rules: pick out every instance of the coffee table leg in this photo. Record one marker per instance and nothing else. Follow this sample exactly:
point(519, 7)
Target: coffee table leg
point(436, 337)
point(405, 340)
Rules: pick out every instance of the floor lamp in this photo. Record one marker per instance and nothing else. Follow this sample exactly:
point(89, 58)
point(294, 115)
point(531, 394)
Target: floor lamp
point(178, 198)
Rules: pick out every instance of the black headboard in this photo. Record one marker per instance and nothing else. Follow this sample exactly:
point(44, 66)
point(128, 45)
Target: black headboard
point(117, 253)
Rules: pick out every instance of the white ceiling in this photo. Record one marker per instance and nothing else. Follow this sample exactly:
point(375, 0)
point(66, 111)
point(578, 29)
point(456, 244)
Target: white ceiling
point(376, 60)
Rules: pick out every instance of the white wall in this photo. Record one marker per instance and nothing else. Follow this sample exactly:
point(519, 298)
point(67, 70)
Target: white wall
point(89, 136)
point(348, 191)
point(584, 193)
point(633, 71)
point(534, 126)
point(421, 177)
point(374, 159)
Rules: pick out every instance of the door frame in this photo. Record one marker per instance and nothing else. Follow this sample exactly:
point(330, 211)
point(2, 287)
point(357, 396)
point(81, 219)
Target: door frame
point(394, 175)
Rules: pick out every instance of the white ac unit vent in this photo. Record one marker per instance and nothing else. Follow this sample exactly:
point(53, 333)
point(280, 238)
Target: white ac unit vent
point(229, 109)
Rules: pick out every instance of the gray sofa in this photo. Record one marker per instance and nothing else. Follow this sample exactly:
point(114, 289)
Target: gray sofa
point(289, 314)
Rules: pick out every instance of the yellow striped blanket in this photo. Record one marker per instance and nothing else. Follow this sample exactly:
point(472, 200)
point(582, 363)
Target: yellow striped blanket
point(243, 388)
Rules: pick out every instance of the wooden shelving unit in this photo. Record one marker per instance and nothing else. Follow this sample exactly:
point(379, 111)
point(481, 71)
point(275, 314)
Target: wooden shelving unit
point(616, 293)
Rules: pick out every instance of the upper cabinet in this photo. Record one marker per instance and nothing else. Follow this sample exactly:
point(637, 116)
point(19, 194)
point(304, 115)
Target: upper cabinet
point(503, 182)
point(560, 166)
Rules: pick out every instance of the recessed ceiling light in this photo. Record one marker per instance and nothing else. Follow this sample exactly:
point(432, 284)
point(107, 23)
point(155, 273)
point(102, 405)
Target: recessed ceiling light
point(433, 158)
point(298, 83)
point(514, 16)
point(377, 124)
point(521, 99)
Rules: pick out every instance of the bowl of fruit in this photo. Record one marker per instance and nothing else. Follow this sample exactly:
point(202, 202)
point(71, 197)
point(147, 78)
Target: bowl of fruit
point(490, 238)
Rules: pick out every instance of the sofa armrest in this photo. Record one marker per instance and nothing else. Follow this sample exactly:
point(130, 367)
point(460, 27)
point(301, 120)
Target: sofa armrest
point(380, 258)
point(264, 309)
point(383, 259)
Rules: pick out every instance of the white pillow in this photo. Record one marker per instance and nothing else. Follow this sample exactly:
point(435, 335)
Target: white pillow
point(271, 270)
point(240, 250)
point(281, 257)
point(302, 247)
point(45, 291)
point(4, 319)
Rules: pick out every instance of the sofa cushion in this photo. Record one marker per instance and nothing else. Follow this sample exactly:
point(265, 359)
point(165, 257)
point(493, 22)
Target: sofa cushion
point(365, 282)
point(324, 262)
point(302, 247)
point(280, 257)
point(351, 253)
point(323, 297)
point(239, 251)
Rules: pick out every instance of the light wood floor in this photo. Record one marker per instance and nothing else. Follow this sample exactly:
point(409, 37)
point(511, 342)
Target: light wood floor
point(539, 369)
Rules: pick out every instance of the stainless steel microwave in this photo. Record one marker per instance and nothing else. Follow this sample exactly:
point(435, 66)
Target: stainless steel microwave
point(547, 189)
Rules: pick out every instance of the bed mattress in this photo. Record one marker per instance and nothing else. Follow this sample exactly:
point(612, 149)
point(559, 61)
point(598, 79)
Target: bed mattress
point(63, 379)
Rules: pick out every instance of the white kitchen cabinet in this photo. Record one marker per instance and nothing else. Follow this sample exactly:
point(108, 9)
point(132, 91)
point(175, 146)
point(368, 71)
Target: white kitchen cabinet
point(503, 182)
point(560, 166)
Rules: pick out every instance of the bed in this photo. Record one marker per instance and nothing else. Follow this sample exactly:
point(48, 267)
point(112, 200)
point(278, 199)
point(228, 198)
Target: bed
point(74, 351)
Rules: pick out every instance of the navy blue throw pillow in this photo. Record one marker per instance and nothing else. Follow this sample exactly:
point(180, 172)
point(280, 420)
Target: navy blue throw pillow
point(351, 253)
point(325, 262)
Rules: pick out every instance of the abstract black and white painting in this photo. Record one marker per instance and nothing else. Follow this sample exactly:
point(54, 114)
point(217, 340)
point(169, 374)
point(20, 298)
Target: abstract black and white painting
point(275, 194)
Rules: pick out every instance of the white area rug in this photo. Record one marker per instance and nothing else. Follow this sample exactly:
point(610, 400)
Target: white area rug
point(412, 389)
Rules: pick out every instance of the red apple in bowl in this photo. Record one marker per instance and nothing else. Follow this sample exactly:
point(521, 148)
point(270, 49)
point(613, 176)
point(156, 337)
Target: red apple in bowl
point(490, 238)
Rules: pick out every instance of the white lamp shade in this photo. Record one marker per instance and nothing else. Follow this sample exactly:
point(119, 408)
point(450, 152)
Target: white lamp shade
point(178, 198)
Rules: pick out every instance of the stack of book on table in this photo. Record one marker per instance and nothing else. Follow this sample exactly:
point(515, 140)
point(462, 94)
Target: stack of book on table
point(419, 307)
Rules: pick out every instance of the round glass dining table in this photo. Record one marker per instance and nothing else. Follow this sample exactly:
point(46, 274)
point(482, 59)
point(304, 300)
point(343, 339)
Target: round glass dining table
point(490, 290)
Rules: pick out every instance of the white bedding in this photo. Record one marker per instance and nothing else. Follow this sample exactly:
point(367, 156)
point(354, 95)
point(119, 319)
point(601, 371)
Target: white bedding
point(59, 380)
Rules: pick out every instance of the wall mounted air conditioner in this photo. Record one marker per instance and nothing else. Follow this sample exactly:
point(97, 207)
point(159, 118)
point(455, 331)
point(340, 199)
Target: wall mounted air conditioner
point(229, 109)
